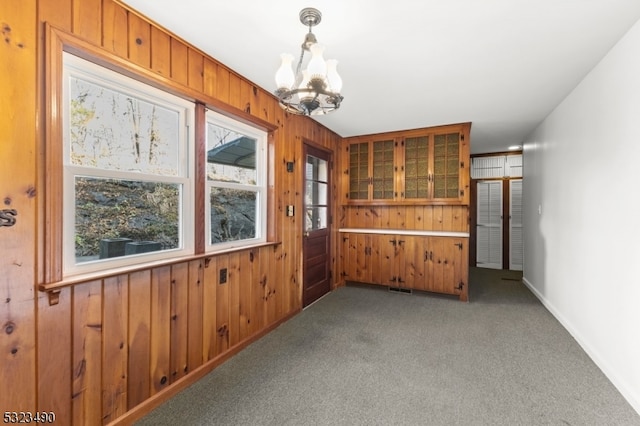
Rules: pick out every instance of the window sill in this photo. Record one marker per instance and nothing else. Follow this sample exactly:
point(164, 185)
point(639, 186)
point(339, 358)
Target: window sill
point(53, 289)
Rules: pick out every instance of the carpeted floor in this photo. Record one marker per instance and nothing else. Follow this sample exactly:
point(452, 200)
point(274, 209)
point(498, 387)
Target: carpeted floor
point(365, 356)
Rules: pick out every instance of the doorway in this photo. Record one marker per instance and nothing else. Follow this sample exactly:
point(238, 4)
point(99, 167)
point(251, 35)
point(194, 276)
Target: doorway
point(316, 235)
point(497, 218)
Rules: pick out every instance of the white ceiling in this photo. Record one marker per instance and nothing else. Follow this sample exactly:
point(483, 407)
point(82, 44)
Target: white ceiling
point(501, 64)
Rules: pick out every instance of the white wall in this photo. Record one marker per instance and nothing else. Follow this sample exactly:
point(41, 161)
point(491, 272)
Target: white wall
point(582, 253)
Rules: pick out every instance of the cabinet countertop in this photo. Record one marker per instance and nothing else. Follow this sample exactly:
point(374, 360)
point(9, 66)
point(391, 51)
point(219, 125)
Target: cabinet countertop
point(405, 232)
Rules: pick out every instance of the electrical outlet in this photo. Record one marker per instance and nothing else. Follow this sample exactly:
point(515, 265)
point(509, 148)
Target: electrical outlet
point(290, 210)
point(223, 275)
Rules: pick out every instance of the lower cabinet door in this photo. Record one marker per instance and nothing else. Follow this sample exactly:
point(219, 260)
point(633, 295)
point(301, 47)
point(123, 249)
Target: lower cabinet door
point(447, 265)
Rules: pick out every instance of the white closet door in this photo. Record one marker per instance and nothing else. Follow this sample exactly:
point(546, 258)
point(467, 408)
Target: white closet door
point(516, 243)
point(489, 225)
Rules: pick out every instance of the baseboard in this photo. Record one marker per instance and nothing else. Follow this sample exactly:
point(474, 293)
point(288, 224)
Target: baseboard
point(140, 410)
point(632, 397)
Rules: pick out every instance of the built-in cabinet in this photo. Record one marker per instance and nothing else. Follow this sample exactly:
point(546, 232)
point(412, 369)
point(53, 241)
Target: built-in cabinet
point(412, 260)
point(398, 228)
point(428, 165)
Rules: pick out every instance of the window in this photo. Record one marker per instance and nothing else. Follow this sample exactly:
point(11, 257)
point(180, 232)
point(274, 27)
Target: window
point(236, 183)
point(127, 170)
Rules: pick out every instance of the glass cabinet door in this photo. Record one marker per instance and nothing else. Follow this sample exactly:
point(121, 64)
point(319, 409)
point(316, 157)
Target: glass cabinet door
point(383, 170)
point(416, 167)
point(446, 166)
point(359, 171)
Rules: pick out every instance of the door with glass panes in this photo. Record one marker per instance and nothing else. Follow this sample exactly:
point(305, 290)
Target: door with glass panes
point(316, 236)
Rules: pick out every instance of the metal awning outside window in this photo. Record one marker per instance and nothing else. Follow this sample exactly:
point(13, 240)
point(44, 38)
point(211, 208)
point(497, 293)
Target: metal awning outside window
point(240, 152)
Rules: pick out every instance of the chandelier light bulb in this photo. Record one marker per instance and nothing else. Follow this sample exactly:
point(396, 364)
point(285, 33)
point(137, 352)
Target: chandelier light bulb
point(334, 79)
point(285, 76)
point(317, 66)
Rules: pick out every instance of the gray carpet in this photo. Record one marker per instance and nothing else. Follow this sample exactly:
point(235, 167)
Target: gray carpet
point(365, 356)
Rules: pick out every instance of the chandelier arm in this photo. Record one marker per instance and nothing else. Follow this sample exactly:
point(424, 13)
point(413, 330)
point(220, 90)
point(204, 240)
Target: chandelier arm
point(298, 79)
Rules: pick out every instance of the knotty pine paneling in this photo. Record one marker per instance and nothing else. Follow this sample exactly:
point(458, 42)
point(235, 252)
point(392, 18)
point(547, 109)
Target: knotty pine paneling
point(139, 41)
point(114, 343)
point(194, 322)
point(160, 333)
point(161, 58)
point(115, 34)
point(54, 336)
point(222, 306)
point(139, 338)
point(233, 278)
point(87, 20)
point(422, 218)
point(179, 62)
point(179, 320)
point(115, 351)
point(87, 354)
point(18, 191)
point(195, 76)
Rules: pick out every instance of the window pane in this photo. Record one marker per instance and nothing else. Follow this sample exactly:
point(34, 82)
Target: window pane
point(116, 131)
point(316, 218)
point(316, 193)
point(122, 217)
point(233, 214)
point(231, 156)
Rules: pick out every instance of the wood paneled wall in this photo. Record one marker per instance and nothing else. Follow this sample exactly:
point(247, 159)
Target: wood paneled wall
point(114, 346)
point(420, 218)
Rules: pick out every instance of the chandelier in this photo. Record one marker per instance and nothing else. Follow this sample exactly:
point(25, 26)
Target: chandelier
point(316, 89)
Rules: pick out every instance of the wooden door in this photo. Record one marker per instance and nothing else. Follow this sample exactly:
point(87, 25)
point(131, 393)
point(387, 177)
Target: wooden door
point(316, 278)
point(415, 262)
point(446, 260)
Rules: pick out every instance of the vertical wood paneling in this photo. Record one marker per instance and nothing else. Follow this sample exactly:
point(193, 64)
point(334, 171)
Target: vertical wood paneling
point(87, 20)
point(139, 41)
point(246, 96)
point(436, 223)
point(271, 284)
point(160, 351)
point(115, 28)
point(87, 354)
point(278, 282)
point(114, 347)
point(210, 73)
point(428, 218)
point(245, 298)
point(222, 84)
point(222, 307)
point(257, 294)
point(234, 277)
point(108, 346)
point(194, 341)
point(235, 99)
point(139, 337)
point(57, 13)
point(160, 52)
point(54, 373)
point(18, 191)
point(447, 218)
point(179, 62)
point(209, 315)
point(265, 284)
point(196, 69)
point(179, 319)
